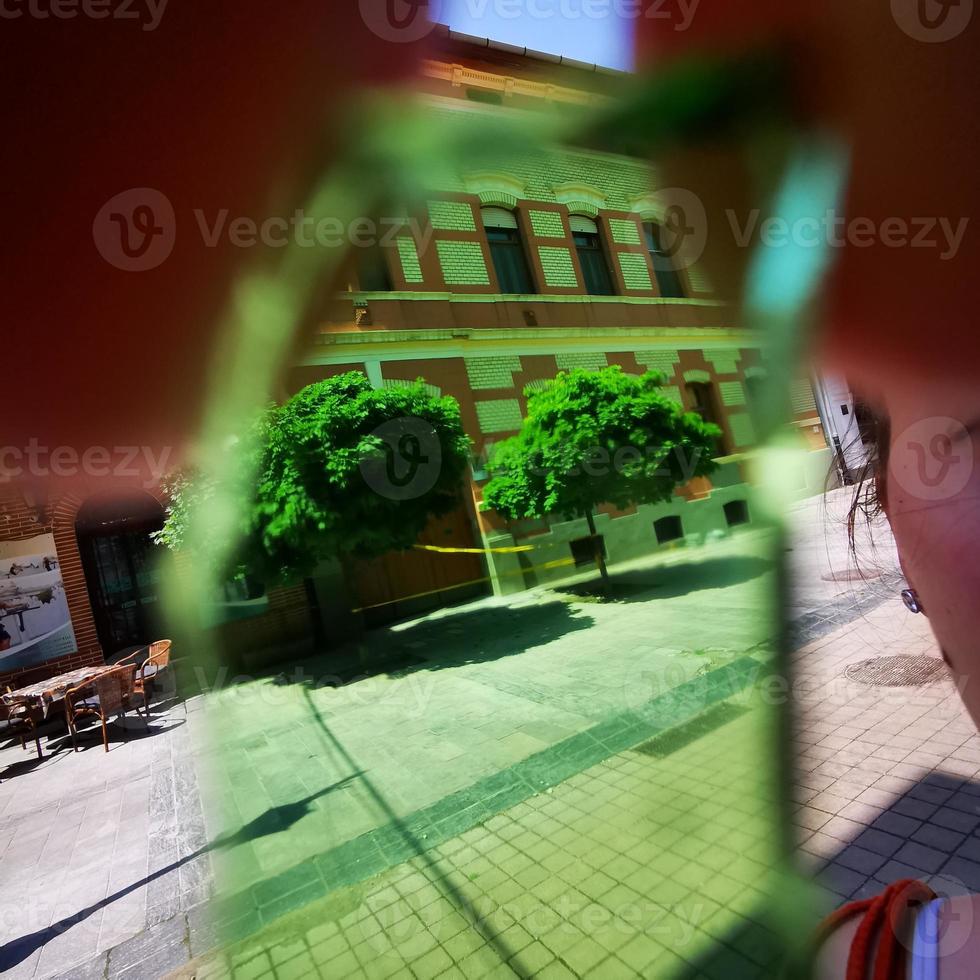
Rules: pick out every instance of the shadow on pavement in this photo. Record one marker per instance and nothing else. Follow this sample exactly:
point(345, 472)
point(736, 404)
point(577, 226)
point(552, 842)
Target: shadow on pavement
point(671, 581)
point(273, 821)
point(486, 632)
point(58, 744)
point(930, 833)
point(469, 636)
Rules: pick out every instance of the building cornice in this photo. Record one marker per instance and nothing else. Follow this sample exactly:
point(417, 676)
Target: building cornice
point(344, 347)
point(509, 85)
point(446, 297)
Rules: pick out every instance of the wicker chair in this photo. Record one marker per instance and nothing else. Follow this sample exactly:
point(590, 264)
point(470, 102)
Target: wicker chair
point(102, 697)
point(157, 661)
point(16, 722)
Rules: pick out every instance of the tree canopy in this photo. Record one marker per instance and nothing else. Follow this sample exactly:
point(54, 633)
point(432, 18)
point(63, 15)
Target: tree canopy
point(340, 469)
point(595, 437)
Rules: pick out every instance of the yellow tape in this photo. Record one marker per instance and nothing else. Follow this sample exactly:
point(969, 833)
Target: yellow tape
point(558, 563)
point(474, 551)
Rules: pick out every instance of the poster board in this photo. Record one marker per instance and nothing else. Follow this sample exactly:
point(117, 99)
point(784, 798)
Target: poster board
point(35, 624)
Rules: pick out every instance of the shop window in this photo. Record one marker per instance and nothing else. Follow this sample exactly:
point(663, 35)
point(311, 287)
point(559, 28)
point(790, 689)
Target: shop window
point(507, 250)
point(736, 512)
point(662, 259)
point(583, 551)
point(591, 257)
point(668, 529)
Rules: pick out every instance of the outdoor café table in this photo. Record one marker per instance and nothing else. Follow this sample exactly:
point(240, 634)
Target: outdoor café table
point(44, 693)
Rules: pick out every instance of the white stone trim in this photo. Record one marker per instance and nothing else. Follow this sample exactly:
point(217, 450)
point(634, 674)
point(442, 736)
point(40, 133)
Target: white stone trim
point(580, 198)
point(495, 188)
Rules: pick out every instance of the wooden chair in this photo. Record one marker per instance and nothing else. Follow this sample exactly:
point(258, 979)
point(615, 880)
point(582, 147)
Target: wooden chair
point(102, 697)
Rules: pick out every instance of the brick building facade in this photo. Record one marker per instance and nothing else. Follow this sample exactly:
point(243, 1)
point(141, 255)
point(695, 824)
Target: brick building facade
point(508, 273)
point(503, 275)
point(50, 527)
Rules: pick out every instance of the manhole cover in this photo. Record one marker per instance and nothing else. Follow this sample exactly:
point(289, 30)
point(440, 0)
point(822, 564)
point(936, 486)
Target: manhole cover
point(896, 671)
point(850, 574)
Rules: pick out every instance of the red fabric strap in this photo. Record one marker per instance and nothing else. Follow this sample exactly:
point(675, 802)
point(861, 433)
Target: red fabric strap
point(877, 950)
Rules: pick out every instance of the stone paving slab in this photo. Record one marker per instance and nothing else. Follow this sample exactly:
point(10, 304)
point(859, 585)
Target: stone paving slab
point(886, 776)
point(91, 845)
point(635, 866)
point(496, 699)
point(902, 804)
point(494, 684)
point(886, 789)
point(369, 854)
point(888, 781)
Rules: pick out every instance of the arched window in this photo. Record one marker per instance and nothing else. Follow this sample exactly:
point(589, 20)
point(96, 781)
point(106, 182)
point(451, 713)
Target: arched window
point(662, 258)
point(507, 250)
point(592, 259)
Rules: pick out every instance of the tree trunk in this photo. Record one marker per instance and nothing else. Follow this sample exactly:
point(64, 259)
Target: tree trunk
point(316, 617)
point(597, 552)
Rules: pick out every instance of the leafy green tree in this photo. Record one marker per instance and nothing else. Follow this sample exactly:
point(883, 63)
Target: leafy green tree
point(595, 437)
point(199, 519)
point(340, 469)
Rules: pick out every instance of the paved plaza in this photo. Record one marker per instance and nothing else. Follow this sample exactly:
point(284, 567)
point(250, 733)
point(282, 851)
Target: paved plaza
point(541, 785)
point(97, 848)
point(487, 696)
